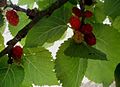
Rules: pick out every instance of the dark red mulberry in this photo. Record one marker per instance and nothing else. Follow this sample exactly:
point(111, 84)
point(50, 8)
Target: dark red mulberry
point(76, 11)
point(86, 29)
point(88, 14)
point(12, 17)
point(75, 22)
point(90, 39)
point(17, 52)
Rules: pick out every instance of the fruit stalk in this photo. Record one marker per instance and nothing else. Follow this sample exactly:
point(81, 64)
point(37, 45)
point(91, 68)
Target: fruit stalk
point(82, 6)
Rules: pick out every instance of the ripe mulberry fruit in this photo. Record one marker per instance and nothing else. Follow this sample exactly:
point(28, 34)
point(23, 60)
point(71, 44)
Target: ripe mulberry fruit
point(75, 22)
point(17, 52)
point(12, 17)
point(90, 39)
point(88, 14)
point(86, 29)
point(76, 11)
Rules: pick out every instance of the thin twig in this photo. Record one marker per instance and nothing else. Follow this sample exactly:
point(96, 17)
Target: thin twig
point(17, 8)
point(82, 6)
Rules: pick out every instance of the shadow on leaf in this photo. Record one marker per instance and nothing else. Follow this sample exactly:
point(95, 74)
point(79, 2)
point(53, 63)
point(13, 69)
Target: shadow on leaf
point(84, 51)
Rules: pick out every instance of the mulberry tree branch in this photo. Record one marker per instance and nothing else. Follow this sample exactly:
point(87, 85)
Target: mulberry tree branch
point(23, 32)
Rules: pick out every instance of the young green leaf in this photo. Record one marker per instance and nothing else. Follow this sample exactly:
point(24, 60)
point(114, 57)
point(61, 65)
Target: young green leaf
point(49, 29)
point(108, 41)
point(1, 42)
point(101, 71)
point(99, 14)
point(24, 2)
point(111, 8)
point(44, 3)
point(38, 67)
point(10, 75)
point(70, 70)
point(116, 23)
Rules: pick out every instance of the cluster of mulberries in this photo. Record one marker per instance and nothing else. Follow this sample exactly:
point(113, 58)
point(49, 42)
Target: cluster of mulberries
point(82, 31)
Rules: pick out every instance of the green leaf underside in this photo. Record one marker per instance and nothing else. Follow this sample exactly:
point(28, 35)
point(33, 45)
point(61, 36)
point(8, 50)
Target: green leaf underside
point(10, 75)
point(44, 3)
point(49, 29)
point(112, 7)
point(116, 23)
point(1, 42)
point(23, 2)
point(99, 14)
point(83, 51)
point(108, 42)
point(2, 28)
point(38, 67)
point(70, 70)
point(101, 71)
